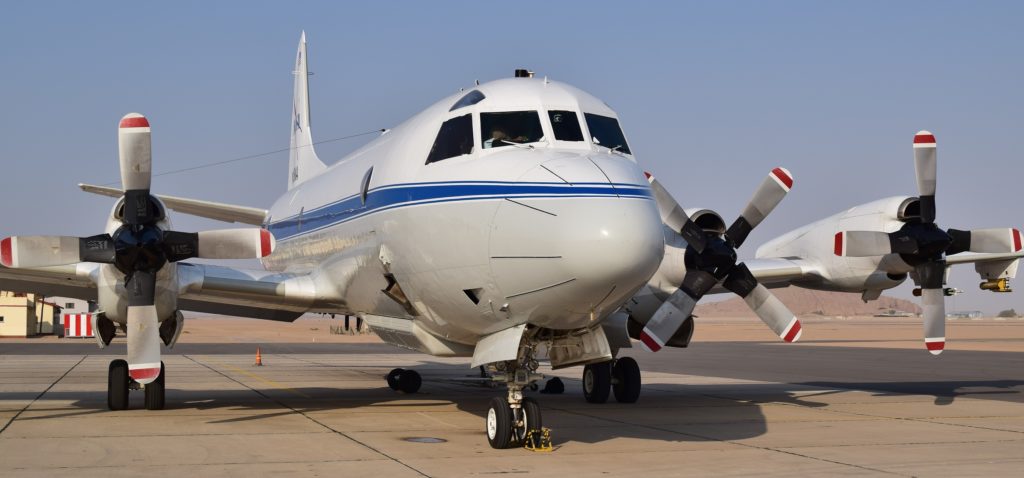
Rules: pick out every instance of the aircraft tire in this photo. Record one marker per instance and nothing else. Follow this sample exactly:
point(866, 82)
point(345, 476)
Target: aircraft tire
point(117, 385)
point(392, 378)
point(155, 391)
point(597, 382)
point(409, 381)
point(498, 423)
point(532, 420)
point(626, 386)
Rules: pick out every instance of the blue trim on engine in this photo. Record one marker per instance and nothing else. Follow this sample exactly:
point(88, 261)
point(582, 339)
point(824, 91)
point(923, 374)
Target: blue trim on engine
point(412, 194)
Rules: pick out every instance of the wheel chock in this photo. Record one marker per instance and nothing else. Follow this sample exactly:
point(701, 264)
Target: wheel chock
point(539, 440)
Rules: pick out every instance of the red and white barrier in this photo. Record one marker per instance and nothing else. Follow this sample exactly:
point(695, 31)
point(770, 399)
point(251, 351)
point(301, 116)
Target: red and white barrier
point(78, 325)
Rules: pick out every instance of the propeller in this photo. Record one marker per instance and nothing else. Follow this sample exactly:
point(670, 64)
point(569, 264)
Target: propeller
point(711, 258)
point(139, 248)
point(923, 245)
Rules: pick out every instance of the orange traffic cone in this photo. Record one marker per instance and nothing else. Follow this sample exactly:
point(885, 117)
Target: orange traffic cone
point(259, 358)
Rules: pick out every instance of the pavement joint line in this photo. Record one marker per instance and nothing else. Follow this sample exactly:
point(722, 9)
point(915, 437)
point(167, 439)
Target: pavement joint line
point(65, 374)
point(162, 465)
point(307, 417)
point(261, 378)
point(746, 445)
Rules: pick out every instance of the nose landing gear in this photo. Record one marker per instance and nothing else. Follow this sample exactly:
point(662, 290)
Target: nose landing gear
point(515, 418)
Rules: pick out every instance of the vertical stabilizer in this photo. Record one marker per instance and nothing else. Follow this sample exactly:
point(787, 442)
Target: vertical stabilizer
point(302, 160)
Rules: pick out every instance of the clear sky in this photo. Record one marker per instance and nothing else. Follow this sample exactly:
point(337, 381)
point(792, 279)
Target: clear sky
point(712, 95)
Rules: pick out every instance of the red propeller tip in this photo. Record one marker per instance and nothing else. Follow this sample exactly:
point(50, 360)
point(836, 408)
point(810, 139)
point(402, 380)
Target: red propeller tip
point(783, 176)
point(266, 243)
point(649, 342)
point(793, 332)
point(838, 244)
point(6, 257)
point(647, 175)
point(935, 346)
point(1016, 241)
point(134, 121)
point(924, 138)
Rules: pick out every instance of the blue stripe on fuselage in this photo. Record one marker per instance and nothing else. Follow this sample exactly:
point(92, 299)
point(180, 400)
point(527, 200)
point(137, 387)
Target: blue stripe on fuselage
point(394, 196)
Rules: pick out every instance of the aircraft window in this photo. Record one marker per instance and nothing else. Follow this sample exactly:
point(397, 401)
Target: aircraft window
point(605, 131)
point(454, 139)
point(509, 128)
point(566, 125)
point(471, 98)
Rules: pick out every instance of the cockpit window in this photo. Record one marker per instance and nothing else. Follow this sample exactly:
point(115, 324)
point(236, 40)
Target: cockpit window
point(605, 131)
point(566, 125)
point(471, 98)
point(454, 139)
point(508, 128)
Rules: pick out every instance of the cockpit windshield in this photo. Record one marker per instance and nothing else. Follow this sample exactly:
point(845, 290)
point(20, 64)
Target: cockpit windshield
point(605, 131)
point(510, 128)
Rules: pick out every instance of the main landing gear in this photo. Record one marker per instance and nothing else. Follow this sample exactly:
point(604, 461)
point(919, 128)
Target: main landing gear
point(620, 376)
point(515, 419)
point(119, 384)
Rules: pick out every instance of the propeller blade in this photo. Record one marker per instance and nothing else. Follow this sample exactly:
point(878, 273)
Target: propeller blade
point(98, 248)
point(679, 306)
point(219, 244)
point(925, 167)
point(873, 243)
point(768, 308)
point(136, 159)
point(931, 275)
point(768, 195)
point(673, 216)
point(135, 149)
point(143, 327)
point(934, 303)
point(45, 251)
point(995, 240)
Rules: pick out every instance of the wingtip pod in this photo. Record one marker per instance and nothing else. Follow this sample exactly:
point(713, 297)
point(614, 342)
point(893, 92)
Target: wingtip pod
point(6, 256)
point(935, 345)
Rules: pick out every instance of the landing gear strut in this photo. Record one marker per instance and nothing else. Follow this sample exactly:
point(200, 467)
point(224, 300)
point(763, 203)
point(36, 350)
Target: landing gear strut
point(621, 376)
point(515, 418)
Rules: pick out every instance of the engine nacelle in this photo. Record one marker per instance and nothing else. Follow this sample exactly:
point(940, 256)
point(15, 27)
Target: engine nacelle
point(866, 275)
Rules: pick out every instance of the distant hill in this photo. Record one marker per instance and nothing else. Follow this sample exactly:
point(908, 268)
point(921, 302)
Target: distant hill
point(805, 302)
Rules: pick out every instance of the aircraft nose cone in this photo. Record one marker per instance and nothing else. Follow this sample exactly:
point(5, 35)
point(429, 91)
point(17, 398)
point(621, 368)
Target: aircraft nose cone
point(563, 261)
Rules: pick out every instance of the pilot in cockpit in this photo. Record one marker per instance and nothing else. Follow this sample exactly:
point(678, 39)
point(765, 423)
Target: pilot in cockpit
point(500, 138)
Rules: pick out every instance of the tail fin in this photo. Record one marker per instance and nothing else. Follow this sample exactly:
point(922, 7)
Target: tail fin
point(303, 162)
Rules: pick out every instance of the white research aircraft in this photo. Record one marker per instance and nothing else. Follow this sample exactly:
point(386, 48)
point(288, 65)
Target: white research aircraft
point(501, 223)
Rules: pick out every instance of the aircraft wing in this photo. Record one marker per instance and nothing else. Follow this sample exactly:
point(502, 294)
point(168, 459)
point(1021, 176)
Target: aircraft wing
point(203, 288)
point(195, 207)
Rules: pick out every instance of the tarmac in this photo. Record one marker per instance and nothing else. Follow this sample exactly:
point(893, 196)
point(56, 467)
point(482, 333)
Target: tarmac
point(855, 397)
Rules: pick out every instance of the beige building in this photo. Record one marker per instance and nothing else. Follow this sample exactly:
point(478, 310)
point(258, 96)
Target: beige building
point(25, 315)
